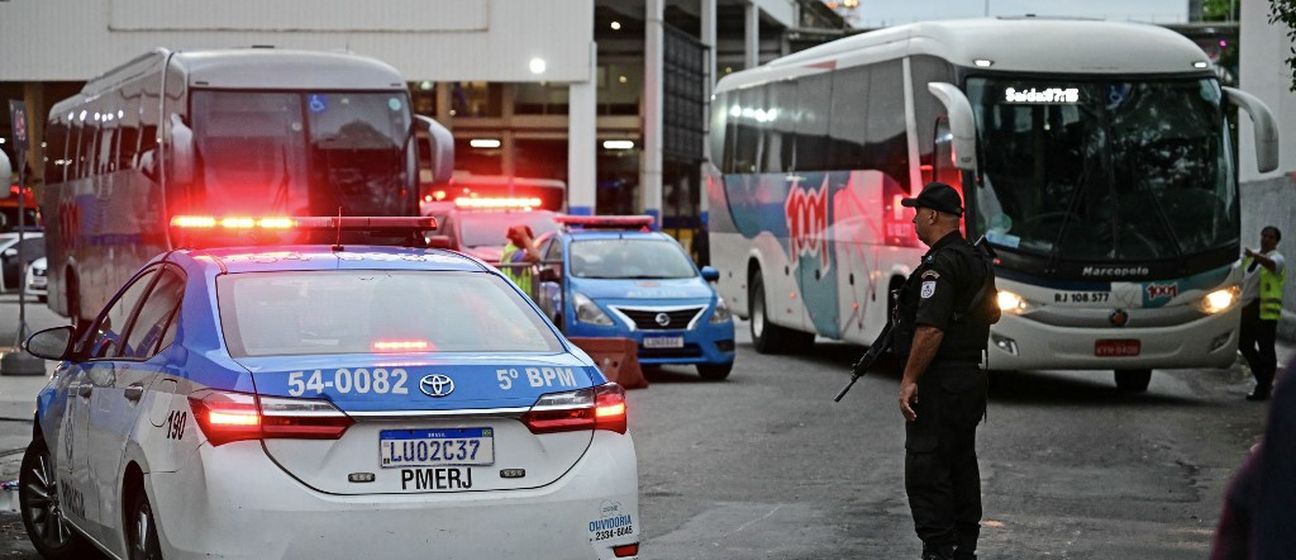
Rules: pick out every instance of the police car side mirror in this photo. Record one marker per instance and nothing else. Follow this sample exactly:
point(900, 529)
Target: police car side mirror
point(710, 274)
point(50, 344)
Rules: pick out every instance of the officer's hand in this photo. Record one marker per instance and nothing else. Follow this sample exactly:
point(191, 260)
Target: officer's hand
point(908, 398)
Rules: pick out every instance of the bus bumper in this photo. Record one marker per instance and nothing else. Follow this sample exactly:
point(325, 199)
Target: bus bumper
point(1020, 343)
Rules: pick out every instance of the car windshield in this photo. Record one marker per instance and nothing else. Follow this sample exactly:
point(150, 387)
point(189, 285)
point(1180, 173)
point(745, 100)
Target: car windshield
point(1105, 170)
point(490, 228)
point(629, 258)
point(362, 311)
point(302, 153)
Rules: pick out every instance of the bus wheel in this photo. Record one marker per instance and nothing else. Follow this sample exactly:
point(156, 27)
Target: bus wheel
point(767, 337)
point(1133, 380)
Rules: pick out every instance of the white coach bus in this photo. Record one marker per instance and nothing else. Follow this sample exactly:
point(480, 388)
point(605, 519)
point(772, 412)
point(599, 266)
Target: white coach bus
point(192, 145)
point(1095, 157)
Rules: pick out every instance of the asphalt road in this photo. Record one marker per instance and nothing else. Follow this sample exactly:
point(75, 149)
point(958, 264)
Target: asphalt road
point(766, 466)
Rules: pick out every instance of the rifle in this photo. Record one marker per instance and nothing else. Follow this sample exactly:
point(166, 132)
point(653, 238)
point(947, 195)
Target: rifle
point(880, 345)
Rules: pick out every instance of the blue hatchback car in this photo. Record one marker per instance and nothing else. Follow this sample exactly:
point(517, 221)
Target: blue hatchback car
point(607, 277)
point(255, 402)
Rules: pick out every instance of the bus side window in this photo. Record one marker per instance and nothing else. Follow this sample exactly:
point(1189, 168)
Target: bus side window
point(107, 158)
point(128, 128)
point(943, 168)
point(89, 144)
point(55, 142)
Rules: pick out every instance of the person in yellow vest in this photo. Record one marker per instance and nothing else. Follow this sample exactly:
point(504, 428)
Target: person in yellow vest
point(521, 249)
point(1262, 291)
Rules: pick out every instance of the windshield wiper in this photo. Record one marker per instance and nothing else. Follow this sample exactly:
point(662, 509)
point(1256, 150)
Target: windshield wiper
point(1082, 188)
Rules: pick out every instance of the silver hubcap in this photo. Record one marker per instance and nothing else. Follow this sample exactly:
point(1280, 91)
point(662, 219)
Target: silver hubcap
point(41, 505)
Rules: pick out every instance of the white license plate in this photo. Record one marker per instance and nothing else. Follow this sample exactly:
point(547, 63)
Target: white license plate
point(436, 447)
point(663, 342)
point(38, 282)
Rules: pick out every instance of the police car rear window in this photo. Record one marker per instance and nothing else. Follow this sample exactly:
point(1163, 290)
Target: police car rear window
point(358, 311)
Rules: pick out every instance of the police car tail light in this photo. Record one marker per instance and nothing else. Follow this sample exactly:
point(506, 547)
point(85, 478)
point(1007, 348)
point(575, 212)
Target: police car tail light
point(596, 408)
point(302, 419)
point(226, 416)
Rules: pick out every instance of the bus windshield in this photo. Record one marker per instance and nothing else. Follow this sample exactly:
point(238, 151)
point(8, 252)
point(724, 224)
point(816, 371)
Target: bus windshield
point(301, 153)
point(1104, 170)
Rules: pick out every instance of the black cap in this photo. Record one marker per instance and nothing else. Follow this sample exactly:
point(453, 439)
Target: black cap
point(937, 196)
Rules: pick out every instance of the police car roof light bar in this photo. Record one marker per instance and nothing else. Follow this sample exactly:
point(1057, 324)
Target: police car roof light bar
point(330, 223)
point(605, 222)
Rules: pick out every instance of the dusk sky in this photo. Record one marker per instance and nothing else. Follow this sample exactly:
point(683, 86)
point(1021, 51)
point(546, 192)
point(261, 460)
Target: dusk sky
point(875, 13)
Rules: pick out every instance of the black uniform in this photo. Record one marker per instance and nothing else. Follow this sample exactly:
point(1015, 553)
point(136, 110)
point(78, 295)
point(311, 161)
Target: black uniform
point(941, 474)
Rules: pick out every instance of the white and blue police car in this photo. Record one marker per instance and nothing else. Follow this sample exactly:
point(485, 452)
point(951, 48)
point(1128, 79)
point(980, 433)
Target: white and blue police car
point(606, 276)
point(326, 402)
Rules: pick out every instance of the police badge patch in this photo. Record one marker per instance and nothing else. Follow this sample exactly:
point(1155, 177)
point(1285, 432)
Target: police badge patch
point(928, 288)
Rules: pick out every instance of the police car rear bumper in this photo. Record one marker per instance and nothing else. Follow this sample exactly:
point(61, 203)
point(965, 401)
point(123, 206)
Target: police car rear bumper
point(1208, 342)
point(233, 502)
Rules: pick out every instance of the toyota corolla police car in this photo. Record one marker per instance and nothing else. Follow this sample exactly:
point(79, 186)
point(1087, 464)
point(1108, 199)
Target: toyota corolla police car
point(606, 277)
point(326, 402)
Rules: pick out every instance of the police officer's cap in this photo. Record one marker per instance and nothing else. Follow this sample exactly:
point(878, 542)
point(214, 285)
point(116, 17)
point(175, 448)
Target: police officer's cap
point(937, 196)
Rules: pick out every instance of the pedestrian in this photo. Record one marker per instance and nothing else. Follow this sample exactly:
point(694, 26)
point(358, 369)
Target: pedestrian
point(1256, 522)
point(1262, 291)
point(518, 256)
point(942, 323)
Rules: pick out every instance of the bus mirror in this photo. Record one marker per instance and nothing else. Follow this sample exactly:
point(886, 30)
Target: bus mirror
point(440, 147)
point(1266, 129)
point(181, 157)
point(962, 123)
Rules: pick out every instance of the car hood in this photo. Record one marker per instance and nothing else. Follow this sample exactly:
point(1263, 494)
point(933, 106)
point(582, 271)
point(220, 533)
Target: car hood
point(684, 288)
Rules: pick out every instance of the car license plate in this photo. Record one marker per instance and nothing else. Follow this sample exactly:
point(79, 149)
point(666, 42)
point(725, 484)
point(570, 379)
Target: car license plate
point(428, 448)
point(38, 282)
point(1117, 348)
point(663, 342)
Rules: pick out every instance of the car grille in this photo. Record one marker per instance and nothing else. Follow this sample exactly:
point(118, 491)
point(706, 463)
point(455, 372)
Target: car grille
point(646, 319)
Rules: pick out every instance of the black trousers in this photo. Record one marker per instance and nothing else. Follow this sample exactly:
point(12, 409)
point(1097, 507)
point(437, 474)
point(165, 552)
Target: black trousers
point(941, 473)
point(1256, 341)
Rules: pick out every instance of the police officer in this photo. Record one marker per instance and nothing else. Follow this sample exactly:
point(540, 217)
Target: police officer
point(943, 319)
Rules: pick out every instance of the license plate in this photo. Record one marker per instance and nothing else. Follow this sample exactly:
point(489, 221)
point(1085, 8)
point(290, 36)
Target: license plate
point(663, 342)
point(430, 448)
point(38, 282)
point(1117, 348)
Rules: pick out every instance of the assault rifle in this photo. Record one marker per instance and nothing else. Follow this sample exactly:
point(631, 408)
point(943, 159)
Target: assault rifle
point(880, 345)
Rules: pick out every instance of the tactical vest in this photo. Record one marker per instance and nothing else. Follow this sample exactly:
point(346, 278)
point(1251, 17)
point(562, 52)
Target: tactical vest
point(976, 308)
point(1271, 291)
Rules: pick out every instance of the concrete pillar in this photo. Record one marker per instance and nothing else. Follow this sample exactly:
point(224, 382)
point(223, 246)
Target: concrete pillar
point(507, 146)
point(708, 11)
point(650, 167)
point(443, 105)
point(751, 36)
point(582, 140)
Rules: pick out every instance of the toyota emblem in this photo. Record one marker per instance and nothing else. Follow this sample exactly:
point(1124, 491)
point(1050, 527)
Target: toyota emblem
point(663, 319)
point(436, 385)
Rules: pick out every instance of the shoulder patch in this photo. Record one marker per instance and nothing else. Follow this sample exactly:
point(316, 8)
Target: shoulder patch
point(928, 288)
point(931, 274)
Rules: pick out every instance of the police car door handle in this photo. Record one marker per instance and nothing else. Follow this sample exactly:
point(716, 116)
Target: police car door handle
point(133, 392)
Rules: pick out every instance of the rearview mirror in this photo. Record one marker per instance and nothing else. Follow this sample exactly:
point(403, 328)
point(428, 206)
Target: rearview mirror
point(1266, 129)
point(50, 344)
point(710, 274)
point(962, 123)
point(440, 144)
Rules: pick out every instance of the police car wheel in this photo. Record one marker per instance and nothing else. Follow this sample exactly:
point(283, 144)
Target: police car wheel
point(42, 513)
point(141, 529)
point(1133, 380)
point(714, 372)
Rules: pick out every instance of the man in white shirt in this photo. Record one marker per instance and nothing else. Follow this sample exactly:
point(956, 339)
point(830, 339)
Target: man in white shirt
point(1262, 288)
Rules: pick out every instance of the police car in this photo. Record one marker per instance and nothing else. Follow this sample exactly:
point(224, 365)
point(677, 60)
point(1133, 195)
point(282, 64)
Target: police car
point(606, 276)
point(326, 402)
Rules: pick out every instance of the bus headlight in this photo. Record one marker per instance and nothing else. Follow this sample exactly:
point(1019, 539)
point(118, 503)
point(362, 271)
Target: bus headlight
point(1011, 303)
point(588, 312)
point(1219, 301)
point(721, 313)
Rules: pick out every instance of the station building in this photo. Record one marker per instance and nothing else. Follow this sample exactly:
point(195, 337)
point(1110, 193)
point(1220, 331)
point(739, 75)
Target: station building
point(609, 96)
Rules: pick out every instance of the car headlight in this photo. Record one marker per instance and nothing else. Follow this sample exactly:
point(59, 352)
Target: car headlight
point(1219, 301)
point(588, 312)
point(1011, 303)
point(721, 313)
